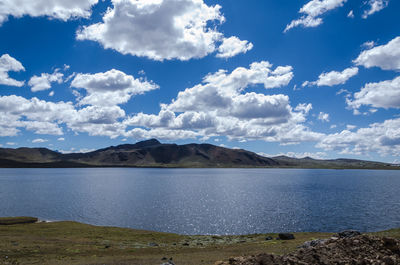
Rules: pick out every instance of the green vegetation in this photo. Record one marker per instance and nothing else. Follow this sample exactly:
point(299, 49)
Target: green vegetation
point(75, 243)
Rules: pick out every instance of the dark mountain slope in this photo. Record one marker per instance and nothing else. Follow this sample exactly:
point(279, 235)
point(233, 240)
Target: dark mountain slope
point(152, 153)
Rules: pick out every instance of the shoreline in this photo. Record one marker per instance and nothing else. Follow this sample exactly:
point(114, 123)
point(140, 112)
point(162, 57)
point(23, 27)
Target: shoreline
point(66, 242)
point(39, 166)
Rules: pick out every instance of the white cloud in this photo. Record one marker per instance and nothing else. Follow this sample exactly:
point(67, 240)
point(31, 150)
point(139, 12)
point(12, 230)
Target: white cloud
point(350, 127)
point(350, 14)
point(57, 9)
point(315, 155)
point(375, 6)
point(323, 117)
point(43, 117)
point(8, 64)
point(159, 29)
point(74, 150)
point(368, 44)
point(232, 46)
point(387, 56)
point(43, 82)
point(219, 88)
point(385, 94)
point(333, 78)
point(312, 12)
point(382, 138)
point(96, 114)
point(220, 106)
point(11, 143)
point(61, 139)
point(39, 140)
point(305, 108)
point(34, 115)
point(110, 88)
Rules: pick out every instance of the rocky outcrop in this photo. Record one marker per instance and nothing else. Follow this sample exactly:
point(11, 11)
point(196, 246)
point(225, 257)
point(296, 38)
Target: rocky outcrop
point(359, 249)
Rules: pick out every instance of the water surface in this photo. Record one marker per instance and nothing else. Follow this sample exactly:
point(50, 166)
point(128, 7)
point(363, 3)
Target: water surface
point(207, 201)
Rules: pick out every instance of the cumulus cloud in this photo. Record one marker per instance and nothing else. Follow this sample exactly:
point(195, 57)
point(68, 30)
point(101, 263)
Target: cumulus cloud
point(315, 155)
point(221, 106)
point(8, 64)
point(323, 117)
point(162, 30)
point(218, 88)
point(39, 140)
point(233, 46)
point(386, 56)
point(43, 117)
point(333, 78)
point(110, 88)
point(374, 6)
point(35, 115)
point(312, 12)
point(43, 82)
point(97, 112)
point(382, 138)
point(56, 9)
point(385, 94)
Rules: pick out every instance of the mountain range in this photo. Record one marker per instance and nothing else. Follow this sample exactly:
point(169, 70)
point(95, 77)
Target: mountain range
point(152, 153)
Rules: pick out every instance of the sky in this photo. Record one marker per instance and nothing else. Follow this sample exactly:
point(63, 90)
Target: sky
point(313, 78)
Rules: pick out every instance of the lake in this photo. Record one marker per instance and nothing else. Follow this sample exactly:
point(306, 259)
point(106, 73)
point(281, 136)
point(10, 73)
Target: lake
point(207, 201)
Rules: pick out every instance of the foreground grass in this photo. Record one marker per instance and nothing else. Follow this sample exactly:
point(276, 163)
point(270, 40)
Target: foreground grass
point(76, 243)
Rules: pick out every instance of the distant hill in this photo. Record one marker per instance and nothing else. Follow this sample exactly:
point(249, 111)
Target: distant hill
point(152, 153)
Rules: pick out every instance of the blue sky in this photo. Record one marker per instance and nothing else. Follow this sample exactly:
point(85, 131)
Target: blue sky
point(302, 78)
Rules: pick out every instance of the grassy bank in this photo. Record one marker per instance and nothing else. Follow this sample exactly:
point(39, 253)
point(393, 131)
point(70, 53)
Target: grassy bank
point(76, 243)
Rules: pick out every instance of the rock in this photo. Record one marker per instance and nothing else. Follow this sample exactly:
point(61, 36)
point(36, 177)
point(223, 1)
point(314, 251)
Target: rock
point(349, 233)
point(361, 250)
point(388, 260)
point(168, 263)
point(286, 236)
point(391, 244)
point(268, 238)
point(185, 244)
point(313, 243)
point(152, 244)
